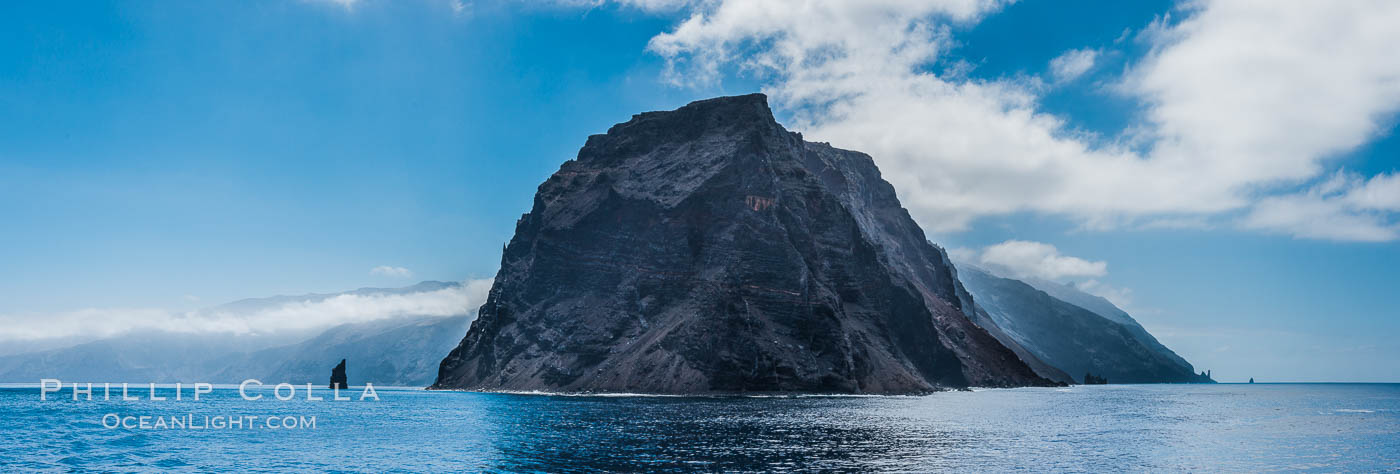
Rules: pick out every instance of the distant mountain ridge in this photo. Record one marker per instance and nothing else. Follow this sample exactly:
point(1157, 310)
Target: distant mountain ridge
point(1102, 307)
point(1047, 320)
point(403, 350)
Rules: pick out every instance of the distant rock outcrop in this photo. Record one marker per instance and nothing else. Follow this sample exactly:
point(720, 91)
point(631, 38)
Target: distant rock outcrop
point(708, 250)
point(1091, 379)
point(401, 351)
point(338, 379)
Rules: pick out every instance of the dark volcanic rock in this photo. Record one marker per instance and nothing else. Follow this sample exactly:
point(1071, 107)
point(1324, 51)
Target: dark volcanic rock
point(338, 376)
point(708, 250)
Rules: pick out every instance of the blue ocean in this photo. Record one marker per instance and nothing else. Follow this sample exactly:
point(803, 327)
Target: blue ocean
point(1307, 427)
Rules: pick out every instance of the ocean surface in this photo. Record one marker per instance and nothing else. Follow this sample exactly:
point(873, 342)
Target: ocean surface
point(1321, 427)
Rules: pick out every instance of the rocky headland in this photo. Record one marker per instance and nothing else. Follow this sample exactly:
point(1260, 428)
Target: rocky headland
point(707, 250)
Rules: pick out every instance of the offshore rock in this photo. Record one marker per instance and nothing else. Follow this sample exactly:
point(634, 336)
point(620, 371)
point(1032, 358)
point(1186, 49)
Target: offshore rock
point(338, 379)
point(707, 250)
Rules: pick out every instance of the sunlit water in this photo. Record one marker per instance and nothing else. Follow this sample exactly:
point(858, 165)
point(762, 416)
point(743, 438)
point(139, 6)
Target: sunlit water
point(1098, 428)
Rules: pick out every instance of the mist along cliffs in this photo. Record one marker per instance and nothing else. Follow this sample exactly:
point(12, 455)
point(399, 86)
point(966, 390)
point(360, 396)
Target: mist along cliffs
point(390, 350)
point(1073, 332)
point(708, 250)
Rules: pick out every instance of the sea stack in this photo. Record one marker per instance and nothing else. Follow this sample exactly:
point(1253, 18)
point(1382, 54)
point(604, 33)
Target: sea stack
point(338, 379)
point(707, 250)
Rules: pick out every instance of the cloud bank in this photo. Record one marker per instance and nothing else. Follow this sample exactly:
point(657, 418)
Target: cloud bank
point(278, 314)
point(1345, 207)
point(1244, 101)
point(1023, 259)
point(1026, 260)
point(391, 271)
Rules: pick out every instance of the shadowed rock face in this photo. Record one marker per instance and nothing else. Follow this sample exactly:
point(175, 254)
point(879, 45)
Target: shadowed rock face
point(1071, 338)
point(338, 379)
point(708, 250)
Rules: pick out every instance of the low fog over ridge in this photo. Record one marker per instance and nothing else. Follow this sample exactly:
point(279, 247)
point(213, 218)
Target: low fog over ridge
point(252, 317)
point(390, 336)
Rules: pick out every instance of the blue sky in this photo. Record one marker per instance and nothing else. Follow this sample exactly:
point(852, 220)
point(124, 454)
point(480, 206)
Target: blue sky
point(177, 155)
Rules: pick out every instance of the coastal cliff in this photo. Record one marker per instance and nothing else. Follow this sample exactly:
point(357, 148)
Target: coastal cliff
point(708, 250)
point(1073, 332)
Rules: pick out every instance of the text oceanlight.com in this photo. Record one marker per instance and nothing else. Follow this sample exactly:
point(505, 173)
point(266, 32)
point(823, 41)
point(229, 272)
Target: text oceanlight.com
point(205, 422)
point(249, 390)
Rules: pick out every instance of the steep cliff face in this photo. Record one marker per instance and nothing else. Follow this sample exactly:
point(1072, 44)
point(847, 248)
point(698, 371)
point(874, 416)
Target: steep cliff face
point(983, 319)
point(708, 250)
point(1102, 307)
point(1071, 338)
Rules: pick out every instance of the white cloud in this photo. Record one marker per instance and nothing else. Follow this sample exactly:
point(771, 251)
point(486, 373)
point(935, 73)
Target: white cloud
point(1259, 92)
point(1345, 207)
point(1120, 297)
point(391, 271)
point(1181, 222)
point(658, 5)
point(1072, 64)
point(1380, 193)
point(1240, 96)
point(310, 313)
point(348, 5)
point(1024, 259)
point(963, 254)
point(460, 7)
point(819, 41)
point(644, 5)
